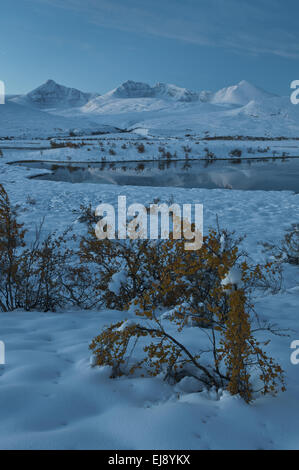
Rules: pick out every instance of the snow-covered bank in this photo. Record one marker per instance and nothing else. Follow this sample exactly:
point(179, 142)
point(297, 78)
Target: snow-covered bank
point(133, 147)
point(268, 214)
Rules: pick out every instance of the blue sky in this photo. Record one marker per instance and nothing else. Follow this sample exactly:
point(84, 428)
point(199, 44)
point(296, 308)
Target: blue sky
point(95, 45)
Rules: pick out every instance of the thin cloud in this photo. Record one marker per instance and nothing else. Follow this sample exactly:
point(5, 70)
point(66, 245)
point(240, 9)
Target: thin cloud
point(252, 26)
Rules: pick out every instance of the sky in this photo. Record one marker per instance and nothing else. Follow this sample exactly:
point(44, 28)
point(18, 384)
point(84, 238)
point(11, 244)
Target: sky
point(95, 45)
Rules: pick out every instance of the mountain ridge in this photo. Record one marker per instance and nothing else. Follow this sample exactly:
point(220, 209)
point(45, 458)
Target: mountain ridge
point(53, 95)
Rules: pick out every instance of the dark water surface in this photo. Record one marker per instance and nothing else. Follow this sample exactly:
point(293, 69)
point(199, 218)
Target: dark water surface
point(251, 174)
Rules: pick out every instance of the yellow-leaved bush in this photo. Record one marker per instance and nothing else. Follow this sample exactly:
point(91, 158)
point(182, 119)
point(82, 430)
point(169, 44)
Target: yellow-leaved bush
point(194, 288)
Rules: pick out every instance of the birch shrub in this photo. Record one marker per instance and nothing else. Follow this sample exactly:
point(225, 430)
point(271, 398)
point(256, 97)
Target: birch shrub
point(209, 289)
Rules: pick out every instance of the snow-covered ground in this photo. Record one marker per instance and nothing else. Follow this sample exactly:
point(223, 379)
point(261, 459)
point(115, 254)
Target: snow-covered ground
point(132, 146)
point(51, 397)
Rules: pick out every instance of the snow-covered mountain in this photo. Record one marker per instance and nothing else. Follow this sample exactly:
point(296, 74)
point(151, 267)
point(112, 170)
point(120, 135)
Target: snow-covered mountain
point(240, 94)
point(133, 98)
point(241, 109)
point(52, 95)
point(131, 89)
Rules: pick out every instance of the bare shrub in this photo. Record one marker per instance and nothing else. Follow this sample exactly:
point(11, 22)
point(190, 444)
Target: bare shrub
point(209, 154)
point(288, 249)
point(236, 153)
point(141, 148)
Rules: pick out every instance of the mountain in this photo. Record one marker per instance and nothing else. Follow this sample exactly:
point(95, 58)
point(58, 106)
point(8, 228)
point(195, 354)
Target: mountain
point(165, 109)
point(174, 92)
point(240, 94)
point(52, 95)
point(205, 96)
point(134, 98)
point(131, 89)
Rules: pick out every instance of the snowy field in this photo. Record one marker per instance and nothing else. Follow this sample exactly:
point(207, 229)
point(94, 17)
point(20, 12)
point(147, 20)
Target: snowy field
point(52, 398)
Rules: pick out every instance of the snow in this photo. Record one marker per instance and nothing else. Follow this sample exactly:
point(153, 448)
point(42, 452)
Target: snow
point(117, 280)
point(131, 89)
point(52, 397)
point(18, 120)
point(52, 95)
point(162, 109)
point(52, 394)
point(240, 94)
point(234, 277)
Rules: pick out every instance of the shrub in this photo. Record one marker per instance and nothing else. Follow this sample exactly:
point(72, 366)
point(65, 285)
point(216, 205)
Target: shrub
point(288, 250)
point(30, 200)
point(141, 148)
point(125, 268)
point(236, 153)
point(200, 288)
point(43, 276)
point(11, 239)
point(57, 145)
point(41, 268)
point(209, 154)
point(86, 215)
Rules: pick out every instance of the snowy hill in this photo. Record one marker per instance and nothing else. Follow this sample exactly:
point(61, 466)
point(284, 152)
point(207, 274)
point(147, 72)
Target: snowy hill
point(240, 94)
point(21, 121)
point(52, 95)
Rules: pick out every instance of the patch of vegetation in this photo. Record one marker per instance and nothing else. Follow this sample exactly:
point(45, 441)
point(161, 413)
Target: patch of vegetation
point(236, 153)
point(288, 249)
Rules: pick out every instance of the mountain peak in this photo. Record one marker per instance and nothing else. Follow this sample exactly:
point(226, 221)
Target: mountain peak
point(245, 82)
point(240, 94)
point(51, 95)
point(132, 89)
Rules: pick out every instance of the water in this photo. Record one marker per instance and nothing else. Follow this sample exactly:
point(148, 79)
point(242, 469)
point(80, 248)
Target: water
point(251, 174)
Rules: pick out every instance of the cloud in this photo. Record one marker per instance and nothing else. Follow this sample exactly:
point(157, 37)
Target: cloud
point(251, 26)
